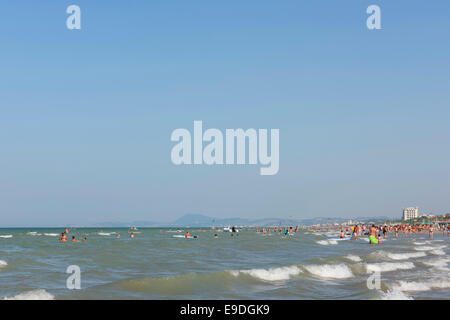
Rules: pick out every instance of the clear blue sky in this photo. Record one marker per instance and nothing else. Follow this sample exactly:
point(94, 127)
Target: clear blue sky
point(86, 116)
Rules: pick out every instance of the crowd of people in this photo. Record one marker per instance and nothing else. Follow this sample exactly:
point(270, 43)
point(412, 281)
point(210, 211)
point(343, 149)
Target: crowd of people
point(381, 231)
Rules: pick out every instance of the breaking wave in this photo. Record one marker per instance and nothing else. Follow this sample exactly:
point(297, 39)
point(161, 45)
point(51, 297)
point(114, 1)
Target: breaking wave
point(272, 274)
point(405, 256)
point(339, 271)
point(326, 242)
point(353, 258)
point(389, 266)
point(38, 294)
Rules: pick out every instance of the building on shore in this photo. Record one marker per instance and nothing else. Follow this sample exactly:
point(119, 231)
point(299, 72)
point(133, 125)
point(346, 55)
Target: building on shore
point(410, 213)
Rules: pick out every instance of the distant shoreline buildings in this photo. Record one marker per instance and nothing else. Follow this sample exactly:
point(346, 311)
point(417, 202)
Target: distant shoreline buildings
point(410, 213)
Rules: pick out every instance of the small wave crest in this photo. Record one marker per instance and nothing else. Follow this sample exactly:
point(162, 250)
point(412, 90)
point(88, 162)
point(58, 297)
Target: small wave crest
point(338, 271)
point(326, 242)
point(410, 286)
point(388, 266)
point(437, 263)
point(438, 252)
point(394, 295)
point(428, 248)
point(272, 274)
point(38, 294)
point(353, 258)
point(405, 256)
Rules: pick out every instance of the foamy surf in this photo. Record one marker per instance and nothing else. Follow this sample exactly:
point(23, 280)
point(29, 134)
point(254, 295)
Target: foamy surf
point(438, 252)
point(3, 263)
point(428, 248)
point(394, 295)
point(339, 271)
point(353, 258)
point(437, 263)
point(411, 286)
point(389, 266)
point(272, 274)
point(326, 242)
point(405, 256)
point(38, 294)
point(6, 236)
point(51, 234)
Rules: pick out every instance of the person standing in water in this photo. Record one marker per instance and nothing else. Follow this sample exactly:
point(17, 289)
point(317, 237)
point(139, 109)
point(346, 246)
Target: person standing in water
point(355, 233)
point(385, 231)
point(63, 237)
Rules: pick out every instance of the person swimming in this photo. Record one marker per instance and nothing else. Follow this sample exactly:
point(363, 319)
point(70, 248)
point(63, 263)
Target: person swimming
point(187, 235)
point(132, 235)
point(84, 239)
point(73, 239)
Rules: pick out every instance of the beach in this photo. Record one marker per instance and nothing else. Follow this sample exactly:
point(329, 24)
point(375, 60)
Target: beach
point(310, 264)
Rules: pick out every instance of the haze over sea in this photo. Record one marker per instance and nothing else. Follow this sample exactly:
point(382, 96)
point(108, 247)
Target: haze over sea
point(247, 265)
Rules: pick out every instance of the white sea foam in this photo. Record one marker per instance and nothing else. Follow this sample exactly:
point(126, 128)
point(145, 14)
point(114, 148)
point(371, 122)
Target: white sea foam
point(104, 233)
point(51, 234)
point(339, 271)
point(353, 258)
point(326, 242)
point(410, 286)
point(438, 252)
point(38, 294)
point(394, 295)
point(405, 256)
point(437, 263)
point(424, 248)
point(6, 236)
point(3, 263)
point(389, 266)
point(272, 274)
point(428, 248)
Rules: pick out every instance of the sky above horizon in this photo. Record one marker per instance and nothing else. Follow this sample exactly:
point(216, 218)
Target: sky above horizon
point(86, 115)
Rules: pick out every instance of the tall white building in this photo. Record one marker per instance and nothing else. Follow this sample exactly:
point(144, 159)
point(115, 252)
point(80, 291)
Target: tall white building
point(410, 213)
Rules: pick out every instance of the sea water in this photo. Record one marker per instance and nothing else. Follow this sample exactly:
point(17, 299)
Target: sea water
point(247, 265)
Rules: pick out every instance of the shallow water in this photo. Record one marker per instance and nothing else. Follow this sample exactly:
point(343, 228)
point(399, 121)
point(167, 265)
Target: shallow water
point(250, 265)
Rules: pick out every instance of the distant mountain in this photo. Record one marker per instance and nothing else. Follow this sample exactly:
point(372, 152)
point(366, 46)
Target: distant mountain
point(193, 220)
point(115, 224)
point(199, 220)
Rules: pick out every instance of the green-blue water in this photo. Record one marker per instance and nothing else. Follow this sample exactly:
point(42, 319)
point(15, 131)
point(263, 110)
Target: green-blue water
point(248, 265)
